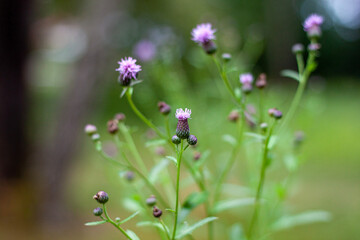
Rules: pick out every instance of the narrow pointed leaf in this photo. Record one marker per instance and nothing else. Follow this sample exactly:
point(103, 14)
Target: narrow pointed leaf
point(229, 139)
point(191, 228)
point(130, 217)
point(156, 142)
point(172, 159)
point(155, 171)
point(95, 223)
point(132, 235)
point(229, 204)
point(290, 74)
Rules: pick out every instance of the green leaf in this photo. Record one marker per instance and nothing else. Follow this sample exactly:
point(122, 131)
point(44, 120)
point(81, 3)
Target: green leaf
point(129, 217)
point(131, 204)
point(98, 146)
point(254, 135)
point(134, 82)
point(132, 235)
point(291, 162)
point(195, 199)
point(290, 74)
point(312, 67)
point(307, 217)
point(150, 224)
point(155, 142)
point(229, 204)
point(229, 139)
point(155, 171)
point(237, 92)
point(191, 228)
point(273, 140)
point(169, 210)
point(172, 159)
point(95, 223)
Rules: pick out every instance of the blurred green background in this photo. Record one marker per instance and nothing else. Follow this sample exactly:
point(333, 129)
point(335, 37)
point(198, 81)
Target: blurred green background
point(58, 62)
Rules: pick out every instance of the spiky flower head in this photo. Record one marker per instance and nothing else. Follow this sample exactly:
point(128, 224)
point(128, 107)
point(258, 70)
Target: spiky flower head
point(312, 25)
point(246, 78)
point(98, 211)
point(312, 21)
point(182, 129)
point(128, 70)
point(175, 139)
point(192, 140)
point(203, 33)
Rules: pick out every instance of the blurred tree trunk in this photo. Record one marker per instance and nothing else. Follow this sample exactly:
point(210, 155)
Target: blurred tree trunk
point(56, 154)
point(281, 33)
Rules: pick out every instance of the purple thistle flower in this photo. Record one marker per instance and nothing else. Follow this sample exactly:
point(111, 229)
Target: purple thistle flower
point(128, 70)
point(182, 129)
point(145, 50)
point(203, 33)
point(313, 21)
point(246, 78)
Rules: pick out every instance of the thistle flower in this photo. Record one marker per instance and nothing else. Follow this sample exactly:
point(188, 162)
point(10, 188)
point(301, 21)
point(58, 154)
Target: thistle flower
point(128, 70)
point(312, 25)
point(182, 129)
point(234, 116)
point(145, 50)
point(275, 113)
point(101, 197)
point(246, 78)
point(175, 139)
point(313, 47)
point(203, 34)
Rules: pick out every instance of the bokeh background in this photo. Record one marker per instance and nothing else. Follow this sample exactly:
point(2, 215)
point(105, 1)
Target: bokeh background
point(57, 65)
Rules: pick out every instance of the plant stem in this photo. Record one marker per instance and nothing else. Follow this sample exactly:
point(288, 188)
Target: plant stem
point(165, 229)
point(142, 117)
point(179, 156)
point(261, 106)
point(125, 131)
point(167, 126)
point(261, 181)
point(114, 223)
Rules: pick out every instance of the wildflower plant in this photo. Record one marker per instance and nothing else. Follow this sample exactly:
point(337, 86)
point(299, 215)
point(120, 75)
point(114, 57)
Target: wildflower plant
point(160, 206)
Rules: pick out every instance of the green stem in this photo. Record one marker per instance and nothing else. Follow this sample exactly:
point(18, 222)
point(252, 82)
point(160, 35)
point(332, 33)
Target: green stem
point(261, 106)
point(179, 156)
point(142, 117)
point(165, 229)
point(124, 130)
point(225, 78)
point(167, 126)
point(261, 182)
point(115, 224)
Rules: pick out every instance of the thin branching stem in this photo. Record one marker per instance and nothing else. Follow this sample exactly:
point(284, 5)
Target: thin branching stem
point(114, 223)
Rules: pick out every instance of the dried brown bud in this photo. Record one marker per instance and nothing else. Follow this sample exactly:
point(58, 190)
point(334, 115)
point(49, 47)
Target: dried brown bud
point(197, 156)
point(164, 108)
point(261, 81)
point(233, 116)
point(113, 126)
point(157, 212)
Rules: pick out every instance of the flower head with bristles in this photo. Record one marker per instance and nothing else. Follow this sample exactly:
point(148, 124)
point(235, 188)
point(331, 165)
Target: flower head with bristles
point(182, 128)
point(128, 70)
point(313, 21)
point(203, 33)
point(246, 78)
point(181, 114)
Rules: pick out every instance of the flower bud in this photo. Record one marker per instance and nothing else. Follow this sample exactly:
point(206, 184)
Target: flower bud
point(151, 201)
point(98, 212)
point(209, 47)
point(160, 151)
point(95, 137)
point(275, 113)
point(130, 176)
point(299, 137)
point(175, 139)
point(164, 108)
point(120, 117)
point(226, 57)
point(313, 47)
point(117, 219)
point(192, 140)
point(247, 88)
point(261, 81)
point(234, 116)
point(112, 126)
point(197, 156)
point(297, 48)
point(90, 129)
point(263, 126)
point(157, 212)
point(101, 197)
